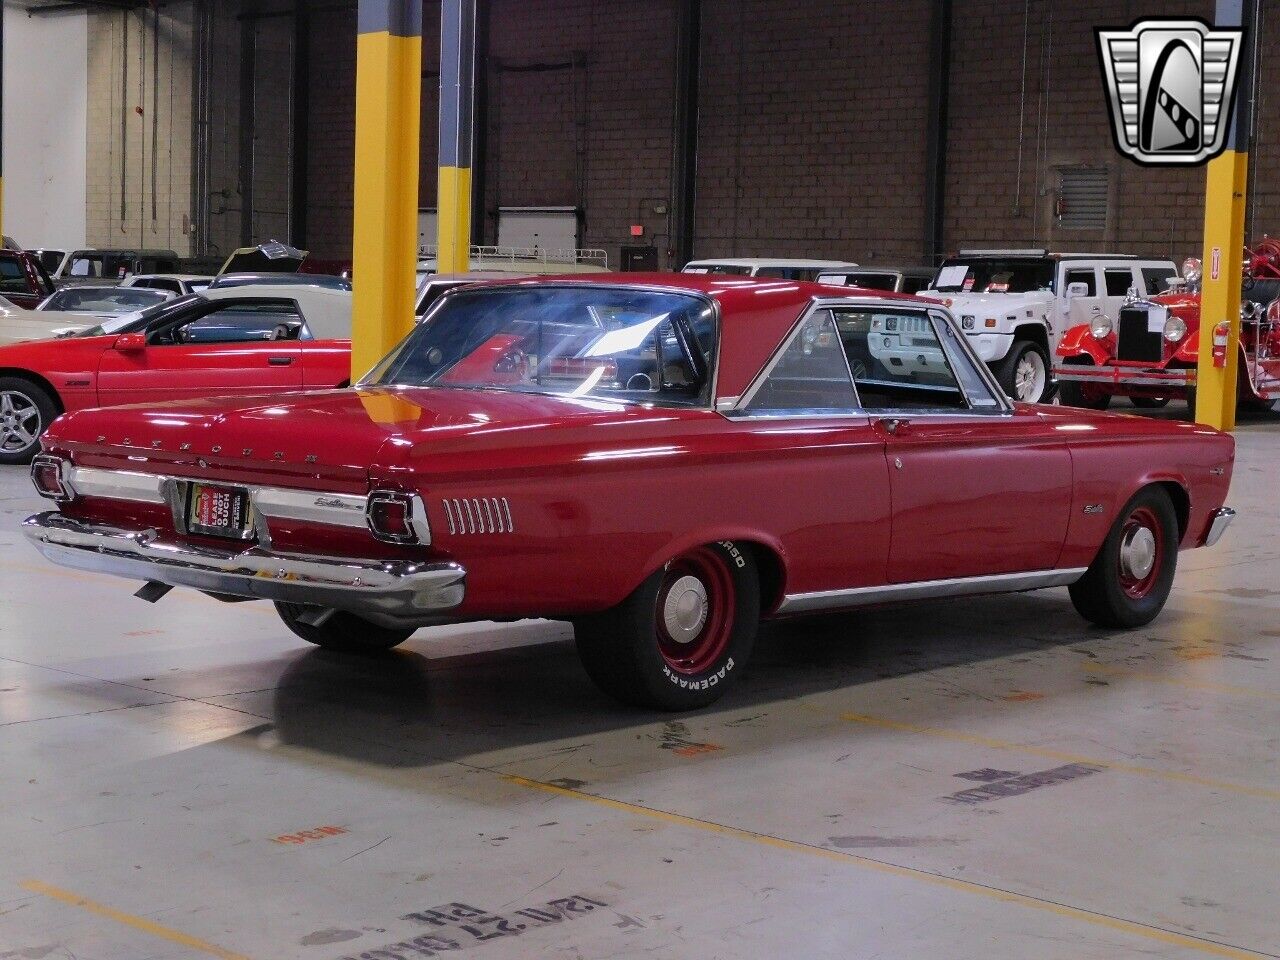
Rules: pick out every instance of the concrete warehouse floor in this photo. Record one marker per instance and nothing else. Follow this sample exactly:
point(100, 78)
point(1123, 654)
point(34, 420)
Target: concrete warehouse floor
point(964, 779)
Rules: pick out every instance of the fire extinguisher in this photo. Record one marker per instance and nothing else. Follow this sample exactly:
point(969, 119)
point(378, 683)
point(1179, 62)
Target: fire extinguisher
point(1221, 334)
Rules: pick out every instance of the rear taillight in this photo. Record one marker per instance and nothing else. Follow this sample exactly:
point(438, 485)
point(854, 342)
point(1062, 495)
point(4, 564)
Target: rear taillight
point(398, 517)
point(48, 476)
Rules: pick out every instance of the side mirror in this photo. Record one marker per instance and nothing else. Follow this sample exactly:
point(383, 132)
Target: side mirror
point(130, 343)
point(1077, 289)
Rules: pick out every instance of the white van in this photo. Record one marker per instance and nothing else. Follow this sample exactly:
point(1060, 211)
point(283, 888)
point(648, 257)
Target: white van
point(780, 269)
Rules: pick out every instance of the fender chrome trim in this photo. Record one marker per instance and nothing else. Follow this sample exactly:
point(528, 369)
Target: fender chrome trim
point(927, 589)
point(391, 592)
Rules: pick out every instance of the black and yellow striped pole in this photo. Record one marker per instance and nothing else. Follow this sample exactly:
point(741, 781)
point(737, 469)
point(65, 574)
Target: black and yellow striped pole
point(1226, 185)
point(385, 228)
point(457, 91)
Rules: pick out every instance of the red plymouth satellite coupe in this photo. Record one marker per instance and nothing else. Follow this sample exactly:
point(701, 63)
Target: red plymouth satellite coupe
point(662, 460)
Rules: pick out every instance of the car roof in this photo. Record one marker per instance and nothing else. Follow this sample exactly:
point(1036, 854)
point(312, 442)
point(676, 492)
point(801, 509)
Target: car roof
point(1035, 254)
point(327, 309)
point(768, 262)
point(758, 312)
point(171, 276)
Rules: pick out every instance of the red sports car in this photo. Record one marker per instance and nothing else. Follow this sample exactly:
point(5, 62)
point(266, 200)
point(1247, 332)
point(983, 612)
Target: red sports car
point(662, 460)
point(235, 341)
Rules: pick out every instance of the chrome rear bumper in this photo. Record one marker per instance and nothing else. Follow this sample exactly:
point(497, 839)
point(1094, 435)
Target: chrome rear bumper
point(390, 592)
point(1221, 519)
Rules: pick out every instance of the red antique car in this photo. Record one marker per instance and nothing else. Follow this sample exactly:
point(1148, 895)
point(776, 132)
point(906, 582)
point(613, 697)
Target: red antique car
point(662, 460)
point(1150, 353)
point(241, 340)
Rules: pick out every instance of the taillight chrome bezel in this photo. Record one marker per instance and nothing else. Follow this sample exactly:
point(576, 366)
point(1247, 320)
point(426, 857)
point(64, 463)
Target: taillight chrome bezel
point(64, 492)
point(415, 517)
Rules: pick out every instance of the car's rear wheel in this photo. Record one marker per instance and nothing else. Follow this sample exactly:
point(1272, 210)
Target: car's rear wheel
point(26, 410)
point(1024, 373)
point(340, 631)
point(1073, 393)
point(1150, 403)
point(682, 637)
point(1129, 580)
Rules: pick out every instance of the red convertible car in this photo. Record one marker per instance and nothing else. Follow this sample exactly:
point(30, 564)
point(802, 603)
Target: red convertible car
point(235, 341)
point(662, 460)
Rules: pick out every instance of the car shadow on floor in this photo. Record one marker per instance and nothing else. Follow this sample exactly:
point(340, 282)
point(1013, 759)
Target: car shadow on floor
point(403, 709)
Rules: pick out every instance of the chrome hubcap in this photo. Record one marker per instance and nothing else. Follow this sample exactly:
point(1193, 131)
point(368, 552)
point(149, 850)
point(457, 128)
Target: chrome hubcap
point(685, 610)
point(19, 421)
point(1138, 552)
point(1029, 377)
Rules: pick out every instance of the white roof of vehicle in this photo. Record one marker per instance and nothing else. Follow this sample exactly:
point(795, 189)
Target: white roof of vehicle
point(326, 310)
point(767, 262)
point(184, 277)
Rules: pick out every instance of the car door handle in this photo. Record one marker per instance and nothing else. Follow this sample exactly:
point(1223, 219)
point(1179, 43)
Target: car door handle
point(892, 424)
point(279, 361)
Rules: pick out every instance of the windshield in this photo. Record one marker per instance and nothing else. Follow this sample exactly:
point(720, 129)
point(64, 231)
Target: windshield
point(992, 275)
point(140, 319)
point(608, 343)
point(103, 299)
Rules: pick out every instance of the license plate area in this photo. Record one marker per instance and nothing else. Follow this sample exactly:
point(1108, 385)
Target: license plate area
point(214, 510)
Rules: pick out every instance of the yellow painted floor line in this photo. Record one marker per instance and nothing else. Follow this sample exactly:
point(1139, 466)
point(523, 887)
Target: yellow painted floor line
point(1110, 670)
point(1132, 927)
point(141, 924)
point(1062, 756)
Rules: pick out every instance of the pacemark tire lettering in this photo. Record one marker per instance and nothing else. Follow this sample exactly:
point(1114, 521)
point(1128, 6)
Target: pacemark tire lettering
point(738, 559)
point(706, 684)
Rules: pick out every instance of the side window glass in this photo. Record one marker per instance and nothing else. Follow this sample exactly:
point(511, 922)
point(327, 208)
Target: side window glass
point(12, 277)
point(241, 323)
point(1087, 277)
point(976, 389)
point(1119, 281)
point(811, 375)
point(1157, 279)
point(897, 360)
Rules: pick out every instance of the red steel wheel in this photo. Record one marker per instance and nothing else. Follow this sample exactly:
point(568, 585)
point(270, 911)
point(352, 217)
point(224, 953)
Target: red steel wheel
point(1141, 552)
point(683, 636)
point(695, 611)
point(1129, 580)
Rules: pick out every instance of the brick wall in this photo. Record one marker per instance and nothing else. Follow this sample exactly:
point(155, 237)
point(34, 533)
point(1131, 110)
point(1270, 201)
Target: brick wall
point(813, 119)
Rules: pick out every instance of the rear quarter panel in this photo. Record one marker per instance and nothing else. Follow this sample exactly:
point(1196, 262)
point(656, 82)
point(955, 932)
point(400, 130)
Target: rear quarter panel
point(1113, 457)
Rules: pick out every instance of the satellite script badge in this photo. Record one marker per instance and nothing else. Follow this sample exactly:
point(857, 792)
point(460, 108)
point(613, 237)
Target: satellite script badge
point(1170, 85)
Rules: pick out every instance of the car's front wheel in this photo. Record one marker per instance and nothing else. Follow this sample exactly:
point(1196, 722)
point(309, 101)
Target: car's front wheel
point(340, 630)
point(1024, 373)
point(682, 637)
point(1087, 396)
point(26, 410)
point(1130, 578)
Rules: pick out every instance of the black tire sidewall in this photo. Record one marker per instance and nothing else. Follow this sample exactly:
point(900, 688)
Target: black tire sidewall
point(1071, 394)
point(343, 631)
point(1009, 367)
point(1116, 607)
point(620, 648)
point(43, 402)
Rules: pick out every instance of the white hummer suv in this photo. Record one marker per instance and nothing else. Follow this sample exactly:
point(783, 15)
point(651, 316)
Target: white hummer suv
point(1014, 305)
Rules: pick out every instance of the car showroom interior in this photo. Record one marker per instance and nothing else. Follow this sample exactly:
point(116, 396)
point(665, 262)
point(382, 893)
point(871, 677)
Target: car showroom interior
point(658, 480)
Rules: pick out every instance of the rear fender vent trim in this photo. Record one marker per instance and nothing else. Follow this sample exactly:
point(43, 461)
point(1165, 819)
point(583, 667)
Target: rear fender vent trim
point(476, 515)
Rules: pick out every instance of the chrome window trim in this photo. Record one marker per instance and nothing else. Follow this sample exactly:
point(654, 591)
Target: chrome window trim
point(928, 589)
point(961, 341)
point(744, 400)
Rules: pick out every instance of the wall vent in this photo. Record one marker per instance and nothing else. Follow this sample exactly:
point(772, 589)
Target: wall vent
point(1083, 196)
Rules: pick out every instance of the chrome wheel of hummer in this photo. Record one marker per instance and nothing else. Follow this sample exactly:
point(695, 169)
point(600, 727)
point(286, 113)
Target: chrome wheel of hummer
point(1029, 377)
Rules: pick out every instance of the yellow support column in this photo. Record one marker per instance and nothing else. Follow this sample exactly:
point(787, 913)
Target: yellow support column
point(1226, 186)
point(385, 234)
point(1220, 287)
point(457, 90)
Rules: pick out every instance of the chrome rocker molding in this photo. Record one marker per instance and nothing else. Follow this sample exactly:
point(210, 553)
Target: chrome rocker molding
point(927, 589)
point(1222, 518)
point(387, 592)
